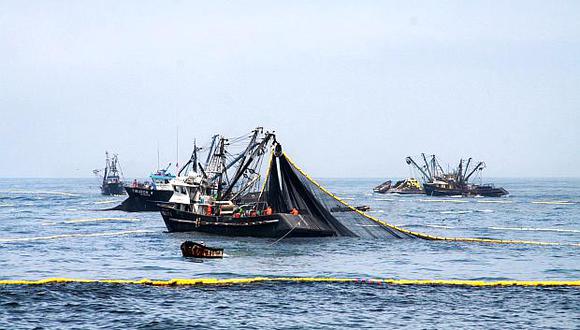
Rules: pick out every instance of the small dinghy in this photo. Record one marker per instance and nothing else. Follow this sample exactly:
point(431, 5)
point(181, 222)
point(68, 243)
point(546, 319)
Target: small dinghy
point(199, 250)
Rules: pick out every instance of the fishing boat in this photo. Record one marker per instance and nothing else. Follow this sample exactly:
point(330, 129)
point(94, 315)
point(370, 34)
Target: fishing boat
point(145, 196)
point(226, 196)
point(208, 198)
point(409, 186)
point(437, 182)
point(112, 183)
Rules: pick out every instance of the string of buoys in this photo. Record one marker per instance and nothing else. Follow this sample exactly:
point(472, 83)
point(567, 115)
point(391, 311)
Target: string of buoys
point(105, 202)
point(85, 220)
point(557, 230)
point(421, 235)
point(253, 280)
point(61, 193)
point(100, 219)
point(553, 202)
point(37, 238)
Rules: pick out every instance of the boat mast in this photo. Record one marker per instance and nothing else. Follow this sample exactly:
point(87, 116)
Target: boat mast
point(459, 171)
point(427, 165)
point(192, 160)
point(256, 151)
point(210, 151)
point(434, 166)
point(222, 170)
point(106, 168)
point(466, 169)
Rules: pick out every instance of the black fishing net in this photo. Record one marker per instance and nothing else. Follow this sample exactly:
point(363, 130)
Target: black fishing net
point(287, 188)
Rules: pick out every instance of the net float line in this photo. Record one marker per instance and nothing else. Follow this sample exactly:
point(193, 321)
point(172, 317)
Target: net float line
point(254, 280)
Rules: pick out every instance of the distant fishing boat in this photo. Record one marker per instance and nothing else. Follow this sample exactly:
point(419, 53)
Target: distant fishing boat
point(112, 182)
point(437, 182)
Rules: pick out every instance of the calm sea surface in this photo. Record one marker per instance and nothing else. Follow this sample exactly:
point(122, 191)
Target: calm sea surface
point(50, 228)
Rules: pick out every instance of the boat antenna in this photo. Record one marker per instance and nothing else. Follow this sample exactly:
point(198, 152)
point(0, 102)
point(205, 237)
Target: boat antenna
point(194, 165)
point(177, 148)
point(158, 155)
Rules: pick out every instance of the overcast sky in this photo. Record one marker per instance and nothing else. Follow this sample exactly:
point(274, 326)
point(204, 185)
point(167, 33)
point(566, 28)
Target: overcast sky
point(351, 87)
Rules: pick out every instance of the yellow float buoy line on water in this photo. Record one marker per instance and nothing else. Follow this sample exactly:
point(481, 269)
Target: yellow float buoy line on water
point(257, 280)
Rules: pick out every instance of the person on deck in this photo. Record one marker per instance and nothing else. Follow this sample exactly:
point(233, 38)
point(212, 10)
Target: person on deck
point(268, 211)
point(294, 211)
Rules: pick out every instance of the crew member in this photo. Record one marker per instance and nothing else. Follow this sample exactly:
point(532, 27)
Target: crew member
point(268, 211)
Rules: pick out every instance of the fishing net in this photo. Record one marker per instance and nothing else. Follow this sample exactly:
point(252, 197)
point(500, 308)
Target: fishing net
point(287, 187)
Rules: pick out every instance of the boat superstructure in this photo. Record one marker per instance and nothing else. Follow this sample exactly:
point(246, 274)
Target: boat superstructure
point(145, 196)
point(225, 176)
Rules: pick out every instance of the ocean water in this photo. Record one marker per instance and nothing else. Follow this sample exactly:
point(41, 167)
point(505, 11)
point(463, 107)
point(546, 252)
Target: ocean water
point(53, 228)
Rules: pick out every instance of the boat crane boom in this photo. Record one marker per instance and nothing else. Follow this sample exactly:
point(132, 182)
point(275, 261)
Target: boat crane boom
point(427, 165)
point(410, 160)
point(480, 165)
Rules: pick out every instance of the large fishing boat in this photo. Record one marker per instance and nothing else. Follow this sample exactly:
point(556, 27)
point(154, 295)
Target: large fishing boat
point(112, 182)
point(226, 196)
point(437, 182)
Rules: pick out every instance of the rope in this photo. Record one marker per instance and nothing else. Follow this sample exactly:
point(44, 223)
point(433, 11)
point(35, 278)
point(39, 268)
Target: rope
point(288, 233)
point(416, 234)
point(241, 281)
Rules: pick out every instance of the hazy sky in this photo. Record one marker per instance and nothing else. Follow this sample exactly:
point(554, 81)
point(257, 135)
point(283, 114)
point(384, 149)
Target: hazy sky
point(351, 87)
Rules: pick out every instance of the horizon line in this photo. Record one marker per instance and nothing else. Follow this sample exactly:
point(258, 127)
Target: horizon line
point(319, 177)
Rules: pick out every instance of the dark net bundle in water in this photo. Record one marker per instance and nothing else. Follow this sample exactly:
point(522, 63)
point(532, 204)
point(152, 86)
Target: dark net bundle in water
point(288, 188)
